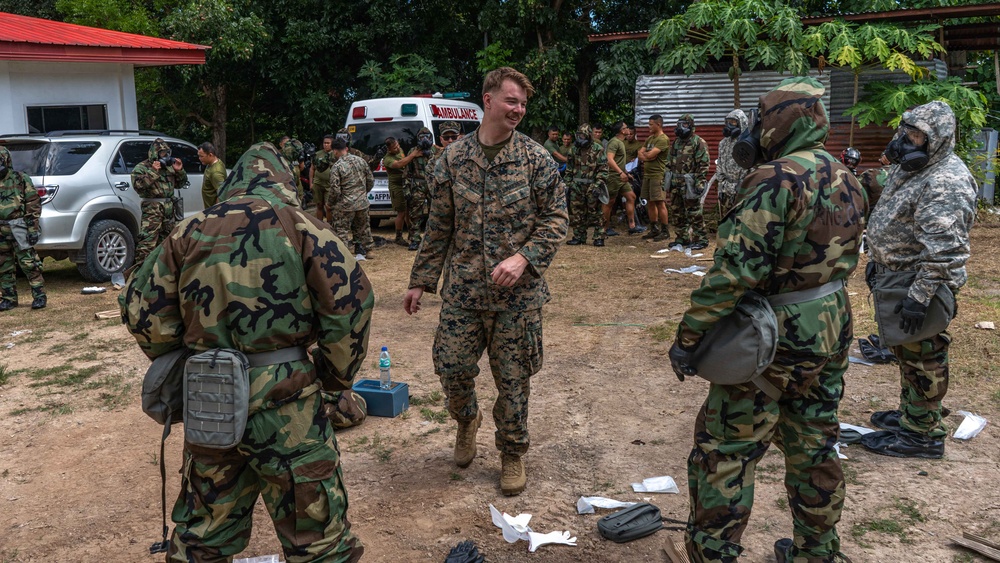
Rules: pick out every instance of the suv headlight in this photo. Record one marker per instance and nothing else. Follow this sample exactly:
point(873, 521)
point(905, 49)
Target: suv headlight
point(47, 192)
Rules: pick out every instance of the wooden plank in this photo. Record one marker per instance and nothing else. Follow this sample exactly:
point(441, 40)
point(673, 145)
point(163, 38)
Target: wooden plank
point(676, 551)
point(979, 548)
point(981, 540)
point(111, 314)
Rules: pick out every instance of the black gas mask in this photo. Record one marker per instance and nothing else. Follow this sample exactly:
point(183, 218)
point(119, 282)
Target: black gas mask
point(425, 142)
point(683, 130)
point(4, 171)
point(908, 156)
point(165, 160)
point(731, 131)
point(582, 141)
point(746, 151)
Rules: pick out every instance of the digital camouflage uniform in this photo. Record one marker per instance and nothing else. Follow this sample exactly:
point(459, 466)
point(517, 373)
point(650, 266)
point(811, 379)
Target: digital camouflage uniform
point(688, 156)
point(797, 225)
point(156, 188)
point(346, 135)
point(350, 182)
point(922, 224)
point(729, 174)
point(418, 202)
point(586, 178)
point(482, 213)
point(18, 200)
point(256, 273)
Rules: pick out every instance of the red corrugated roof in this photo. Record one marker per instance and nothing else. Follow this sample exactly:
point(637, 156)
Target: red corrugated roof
point(34, 39)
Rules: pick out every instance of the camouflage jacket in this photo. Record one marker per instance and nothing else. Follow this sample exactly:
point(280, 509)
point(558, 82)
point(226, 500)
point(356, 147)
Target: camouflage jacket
point(19, 199)
point(588, 168)
point(365, 157)
point(485, 212)
point(873, 180)
point(923, 218)
point(689, 156)
point(416, 170)
point(149, 183)
point(255, 273)
point(322, 163)
point(797, 225)
point(730, 173)
point(432, 162)
point(350, 182)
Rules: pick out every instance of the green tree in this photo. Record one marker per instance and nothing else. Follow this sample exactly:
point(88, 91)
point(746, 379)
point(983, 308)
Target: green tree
point(407, 75)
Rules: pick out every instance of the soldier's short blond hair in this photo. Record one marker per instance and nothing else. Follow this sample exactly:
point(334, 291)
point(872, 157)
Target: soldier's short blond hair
point(495, 78)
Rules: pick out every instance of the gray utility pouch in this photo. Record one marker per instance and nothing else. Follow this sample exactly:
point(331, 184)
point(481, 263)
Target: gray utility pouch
point(216, 398)
point(690, 191)
point(20, 232)
point(741, 345)
point(890, 289)
point(668, 178)
point(178, 207)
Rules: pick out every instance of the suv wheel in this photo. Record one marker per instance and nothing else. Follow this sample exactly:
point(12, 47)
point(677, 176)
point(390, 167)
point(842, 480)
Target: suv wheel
point(109, 248)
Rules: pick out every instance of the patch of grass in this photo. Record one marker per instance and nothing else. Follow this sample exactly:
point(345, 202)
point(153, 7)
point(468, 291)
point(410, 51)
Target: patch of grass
point(963, 557)
point(434, 430)
point(781, 502)
point(454, 476)
point(58, 349)
point(432, 415)
point(115, 391)
point(5, 473)
point(81, 336)
point(88, 357)
point(908, 508)
point(36, 336)
point(360, 441)
point(26, 410)
point(4, 374)
point(850, 474)
point(995, 396)
point(909, 514)
point(380, 448)
point(42, 373)
point(663, 332)
point(56, 408)
point(433, 398)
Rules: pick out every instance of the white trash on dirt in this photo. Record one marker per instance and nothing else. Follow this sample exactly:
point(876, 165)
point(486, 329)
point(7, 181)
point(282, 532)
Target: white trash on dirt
point(93, 289)
point(586, 505)
point(986, 325)
point(696, 270)
point(261, 559)
point(970, 427)
point(663, 484)
point(516, 528)
point(17, 333)
point(859, 429)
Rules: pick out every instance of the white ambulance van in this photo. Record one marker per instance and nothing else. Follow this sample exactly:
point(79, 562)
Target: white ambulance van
point(371, 121)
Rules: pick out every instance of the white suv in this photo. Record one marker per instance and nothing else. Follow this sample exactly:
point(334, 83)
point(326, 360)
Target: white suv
point(90, 214)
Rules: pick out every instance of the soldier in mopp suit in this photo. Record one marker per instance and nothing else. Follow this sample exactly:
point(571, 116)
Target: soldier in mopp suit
point(20, 209)
point(921, 224)
point(729, 173)
point(498, 213)
point(257, 273)
point(688, 160)
point(796, 227)
point(586, 179)
point(155, 180)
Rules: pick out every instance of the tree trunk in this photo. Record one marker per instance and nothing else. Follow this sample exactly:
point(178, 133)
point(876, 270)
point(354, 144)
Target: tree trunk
point(850, 138)
point(736, 81)
point(583, 87)
point(219, 115)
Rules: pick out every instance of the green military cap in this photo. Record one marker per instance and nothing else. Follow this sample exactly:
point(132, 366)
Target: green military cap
point(449, 126)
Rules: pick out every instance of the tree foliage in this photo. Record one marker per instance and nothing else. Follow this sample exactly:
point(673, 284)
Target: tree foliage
point(406, 75)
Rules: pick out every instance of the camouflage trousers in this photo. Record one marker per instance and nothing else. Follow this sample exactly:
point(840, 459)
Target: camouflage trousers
point(344, 409)
point(30, 264)
point(733, 430)
point(923, 368)
point(157, 222)
point(353, 223)
point(687, 216)
point(727, 198)
point(288, 456)
point(585, 211)
point(513, 342)
point(418, 206)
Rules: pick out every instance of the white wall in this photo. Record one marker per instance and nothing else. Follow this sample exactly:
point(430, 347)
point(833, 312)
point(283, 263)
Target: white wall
point(24, 84)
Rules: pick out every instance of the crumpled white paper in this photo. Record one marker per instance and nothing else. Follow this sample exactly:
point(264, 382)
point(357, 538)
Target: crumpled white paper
point(837, 447)
point(859, 429)
point(516, 528)
point(261, 559)
point(359, 257)
point(696, 270)
point(663, 484)
point(970, 427)
point(586, 505)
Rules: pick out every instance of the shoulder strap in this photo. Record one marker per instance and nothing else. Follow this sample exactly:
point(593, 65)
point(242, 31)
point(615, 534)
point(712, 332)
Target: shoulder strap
point(161, 546)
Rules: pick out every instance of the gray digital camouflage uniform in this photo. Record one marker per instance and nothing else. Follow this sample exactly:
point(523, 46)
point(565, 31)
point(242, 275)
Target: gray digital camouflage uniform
point(482, 213)
point(347, 198)
point(922, 224)
point(729, 173)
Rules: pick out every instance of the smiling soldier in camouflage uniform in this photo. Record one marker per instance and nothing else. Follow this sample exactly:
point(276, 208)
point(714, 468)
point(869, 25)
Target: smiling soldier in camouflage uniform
point(587, 181)
point(416, 180)
point(498, 213)
point(688, 155)
point(258, 274)
point(797, 227)
point(922, 224)
point(19, 204)
point(728, 173)
point(155, 184)
point(350, 182)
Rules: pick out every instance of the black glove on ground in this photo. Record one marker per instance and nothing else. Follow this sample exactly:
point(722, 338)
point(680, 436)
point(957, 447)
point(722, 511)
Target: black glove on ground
point(680, 361)
point(912, 315)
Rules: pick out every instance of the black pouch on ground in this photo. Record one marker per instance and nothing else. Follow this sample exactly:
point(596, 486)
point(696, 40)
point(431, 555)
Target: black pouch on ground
point(872, 352)
point(634, 522)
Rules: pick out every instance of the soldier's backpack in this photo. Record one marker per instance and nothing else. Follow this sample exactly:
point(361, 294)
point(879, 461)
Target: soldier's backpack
point(634, 522)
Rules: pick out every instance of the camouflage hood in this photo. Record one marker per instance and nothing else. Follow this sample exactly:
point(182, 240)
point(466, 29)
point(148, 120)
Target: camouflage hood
point(793, 117)
point(155, 147)
point(6, 164)
point(741, 116)
point(263, 172)
point(937, 121)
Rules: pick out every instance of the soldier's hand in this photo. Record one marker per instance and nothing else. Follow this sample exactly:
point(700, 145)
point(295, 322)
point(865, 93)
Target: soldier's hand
point(33, 238)
point(509, 271)
point(911, 315)
point(680, 361)
point(178, 164)
point(411, 303)
point(156, 165)
point(870, 275)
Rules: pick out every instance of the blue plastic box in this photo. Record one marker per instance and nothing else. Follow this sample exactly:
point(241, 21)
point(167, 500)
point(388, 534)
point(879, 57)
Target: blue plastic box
point(384, 402)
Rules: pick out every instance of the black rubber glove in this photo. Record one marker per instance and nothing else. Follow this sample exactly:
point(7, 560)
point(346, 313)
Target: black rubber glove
point(911, 314)
point(680, 361)
point(870, 275)
point(33, 238)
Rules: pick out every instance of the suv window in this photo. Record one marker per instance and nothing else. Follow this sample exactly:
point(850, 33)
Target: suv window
point(129, 154)
point(188, 156)
point(28, 157)
point(368, 137)
point(66, 159)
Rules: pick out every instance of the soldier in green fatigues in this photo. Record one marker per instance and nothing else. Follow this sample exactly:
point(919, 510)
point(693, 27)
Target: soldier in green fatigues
point(20, 209)
point(350, 181)
point(214, 175)
point(586, 179)
point(619, 181)
point(688, 162)
point(418, 201)
point(498, 213)
point(796, 226)
point(155, 180)
point(319, 178)
point(258, 274)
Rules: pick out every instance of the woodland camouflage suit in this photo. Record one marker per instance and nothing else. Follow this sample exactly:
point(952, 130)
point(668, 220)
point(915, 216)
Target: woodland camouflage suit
point(688, 157)
point(586, 178)
point(796, 225)
point(256, 273)
point(418, 204)
point(156, 188)
point(922, 224)
point(18, 201)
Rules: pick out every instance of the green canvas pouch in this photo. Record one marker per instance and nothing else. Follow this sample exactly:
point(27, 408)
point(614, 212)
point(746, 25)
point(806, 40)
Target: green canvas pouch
point(890, 289)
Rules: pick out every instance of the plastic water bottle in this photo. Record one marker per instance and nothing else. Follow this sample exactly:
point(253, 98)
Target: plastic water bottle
point(384, 381)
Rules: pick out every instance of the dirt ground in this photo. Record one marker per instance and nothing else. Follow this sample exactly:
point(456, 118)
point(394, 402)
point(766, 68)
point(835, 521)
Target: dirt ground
point(79, 460)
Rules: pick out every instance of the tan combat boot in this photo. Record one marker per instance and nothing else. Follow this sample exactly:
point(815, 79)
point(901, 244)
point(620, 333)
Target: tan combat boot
point(465, 442)
point(512, 476)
